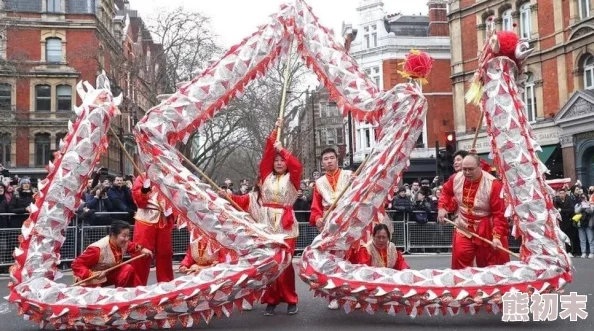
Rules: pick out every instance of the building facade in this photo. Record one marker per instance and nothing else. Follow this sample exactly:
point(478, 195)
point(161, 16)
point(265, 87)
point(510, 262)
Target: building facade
point(560, 88)
point(321, 116)
point(379, 43)
point(47, 48)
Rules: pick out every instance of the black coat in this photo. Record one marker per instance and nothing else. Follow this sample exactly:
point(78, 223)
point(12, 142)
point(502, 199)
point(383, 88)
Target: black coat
point(18, 205)
point(567, 208)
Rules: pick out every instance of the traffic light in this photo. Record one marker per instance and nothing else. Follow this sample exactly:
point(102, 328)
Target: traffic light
point(445, 156)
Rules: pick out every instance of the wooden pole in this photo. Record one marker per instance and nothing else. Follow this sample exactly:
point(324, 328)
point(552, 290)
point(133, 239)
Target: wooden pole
point(125, 151)
point(210, 181)
point(281, 113)
point(478, 127)
point(110, 269)
point(483, 239)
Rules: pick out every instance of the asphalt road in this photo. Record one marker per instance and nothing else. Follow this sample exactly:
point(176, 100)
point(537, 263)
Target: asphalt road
point(313, 314)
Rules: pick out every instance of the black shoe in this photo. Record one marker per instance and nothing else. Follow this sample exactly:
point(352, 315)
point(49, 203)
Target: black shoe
point(269, 310)
point(292, 309)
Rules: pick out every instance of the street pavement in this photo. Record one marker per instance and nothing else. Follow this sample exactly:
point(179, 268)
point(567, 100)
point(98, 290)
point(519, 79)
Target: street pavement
point(313, 314)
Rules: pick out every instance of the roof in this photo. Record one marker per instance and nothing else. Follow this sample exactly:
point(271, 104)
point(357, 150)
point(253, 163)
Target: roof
point(407, 25)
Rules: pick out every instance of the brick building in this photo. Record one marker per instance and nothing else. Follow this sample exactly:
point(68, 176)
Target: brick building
point(323, 117)
point(47, 47)
point(559, 95)
point(380, 43)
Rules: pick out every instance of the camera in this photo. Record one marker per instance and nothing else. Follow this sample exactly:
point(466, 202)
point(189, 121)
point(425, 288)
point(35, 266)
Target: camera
point(129, 177)
point(103, 172)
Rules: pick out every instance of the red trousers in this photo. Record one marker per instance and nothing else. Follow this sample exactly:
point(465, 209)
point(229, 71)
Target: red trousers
point(124, 276)
point(465, 250)
point(283, 288)
point(158, 240)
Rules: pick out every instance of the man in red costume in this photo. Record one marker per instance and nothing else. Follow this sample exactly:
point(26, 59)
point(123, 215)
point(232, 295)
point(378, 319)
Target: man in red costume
point(328, 187)
point(106, 253)
point(280, 172)
point(476, 197)
point(153, 231)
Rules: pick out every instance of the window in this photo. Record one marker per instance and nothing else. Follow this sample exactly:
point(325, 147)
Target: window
point(374, 35)
point(331, 137)
point(366, 41)
point(333, 109)
point(525, 21)
point(53, 6)
point(507, 23)
point(53, 50)
point(584, 8)
point(339, 136)
point(589, 73)
point(366, 138)
point(59, 137)
point(5, 144)
point(323, 136)
point(43, 98)
point(5, 96)
point(42, 149)
point(64, 97)
point(529, 99)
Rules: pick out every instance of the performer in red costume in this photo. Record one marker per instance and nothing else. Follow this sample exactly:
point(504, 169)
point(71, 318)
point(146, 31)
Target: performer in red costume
point(476, 196)
point(281, 175)
point(381, 252)
point(106, 253)
point(153, 231)
point(328, 187)
point(199, 256)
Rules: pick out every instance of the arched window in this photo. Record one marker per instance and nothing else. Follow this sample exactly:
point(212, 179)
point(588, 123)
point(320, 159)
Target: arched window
point(488, 21)
point(589, 72)
point(584, 8)
point(507, 21)
point(5, 96)
point(529, 98)
point(53, 50)
point(42, 149)
point(43, 98)
point(525, 21)
point(64, 97)
point(5, 149)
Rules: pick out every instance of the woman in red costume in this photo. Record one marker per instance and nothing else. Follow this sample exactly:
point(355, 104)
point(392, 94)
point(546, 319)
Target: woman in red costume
point(381, 252)
point(281, 174)
point(106, 253)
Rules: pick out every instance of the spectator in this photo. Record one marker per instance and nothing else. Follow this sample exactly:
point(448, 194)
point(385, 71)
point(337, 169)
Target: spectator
point(422, 207)
point(121, 196)
point(3, 207)
point(244, 187)
point(426, 183)
point(98, 203)
point(5, 253)
point(306, 191)
point(312, 182)
point(20, 204)
point(401, 205)
point(584, 221)
point(302, 206)
point(565, 207)
point(229, 185)
point(414, 189)
point(591, 193)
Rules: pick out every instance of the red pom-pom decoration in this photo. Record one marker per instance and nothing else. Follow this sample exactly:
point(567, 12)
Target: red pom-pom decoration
point(417, 65)
point(507, 44)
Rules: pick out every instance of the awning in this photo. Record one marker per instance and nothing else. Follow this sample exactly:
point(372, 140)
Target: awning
point(544, 156)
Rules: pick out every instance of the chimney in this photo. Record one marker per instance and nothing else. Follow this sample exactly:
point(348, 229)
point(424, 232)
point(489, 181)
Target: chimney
point(438, 18)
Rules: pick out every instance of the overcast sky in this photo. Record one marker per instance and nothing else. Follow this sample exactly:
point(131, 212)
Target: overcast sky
point(233, 20)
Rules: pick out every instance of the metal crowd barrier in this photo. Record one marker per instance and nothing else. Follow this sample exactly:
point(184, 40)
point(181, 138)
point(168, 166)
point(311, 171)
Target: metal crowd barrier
point(409, 236)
